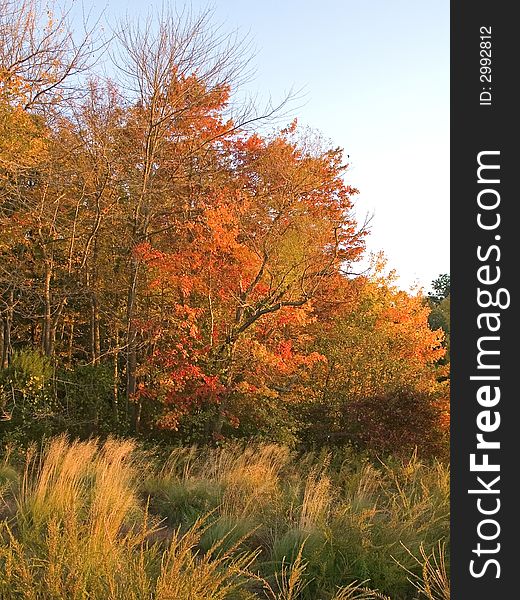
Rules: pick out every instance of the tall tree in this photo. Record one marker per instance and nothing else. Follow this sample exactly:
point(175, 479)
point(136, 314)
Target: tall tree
point(277, 227)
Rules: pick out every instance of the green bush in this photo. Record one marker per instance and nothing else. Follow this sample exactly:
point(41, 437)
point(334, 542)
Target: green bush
point(86, 398)
point(26, 398)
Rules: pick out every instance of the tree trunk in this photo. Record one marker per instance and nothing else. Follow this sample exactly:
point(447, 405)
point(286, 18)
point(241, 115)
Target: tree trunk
point(7, 323)
point(95, 343)
point(71, 342)
point(4, 356)
point(228, 381)
point(131, 335)
point(115, 389)
point(47, 313)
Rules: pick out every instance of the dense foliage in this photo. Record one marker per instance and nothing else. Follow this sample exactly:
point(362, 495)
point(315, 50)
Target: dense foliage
point(168, 270)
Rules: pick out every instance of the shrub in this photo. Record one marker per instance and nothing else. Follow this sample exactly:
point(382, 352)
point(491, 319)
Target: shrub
point(398, 423)
point(26, 399)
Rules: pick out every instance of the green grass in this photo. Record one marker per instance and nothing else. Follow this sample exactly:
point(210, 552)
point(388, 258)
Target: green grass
point(108, 521)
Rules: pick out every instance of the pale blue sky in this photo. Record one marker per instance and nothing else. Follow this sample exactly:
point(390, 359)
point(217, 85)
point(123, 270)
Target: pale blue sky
point(376, 80)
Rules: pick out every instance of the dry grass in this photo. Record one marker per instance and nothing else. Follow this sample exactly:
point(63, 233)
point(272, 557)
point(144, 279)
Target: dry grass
point(80, 531)
point(433, 583)
point(103, 521)
point(355, 591)
point(317, 500)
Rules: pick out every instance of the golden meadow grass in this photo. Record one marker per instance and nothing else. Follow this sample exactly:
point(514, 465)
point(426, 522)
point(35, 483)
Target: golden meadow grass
point(110, 521)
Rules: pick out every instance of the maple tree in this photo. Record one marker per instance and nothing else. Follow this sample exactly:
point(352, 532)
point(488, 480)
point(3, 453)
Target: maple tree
point(263, 243)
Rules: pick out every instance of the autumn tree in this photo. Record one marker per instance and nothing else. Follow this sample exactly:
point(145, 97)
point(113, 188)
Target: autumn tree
point(276, 229)
point(39, 56)
point(378, 344)
point(23, 146)
point(178, 71)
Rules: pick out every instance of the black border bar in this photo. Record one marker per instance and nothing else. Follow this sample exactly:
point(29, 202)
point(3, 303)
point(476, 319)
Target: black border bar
point(485, 514)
